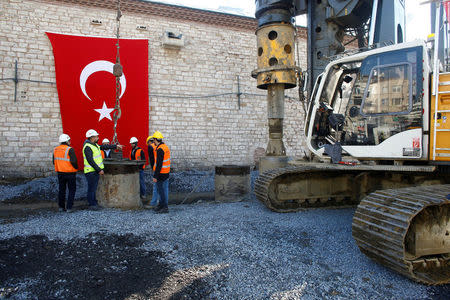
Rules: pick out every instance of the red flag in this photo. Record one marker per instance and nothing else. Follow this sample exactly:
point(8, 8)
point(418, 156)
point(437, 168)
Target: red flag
point(87, 88)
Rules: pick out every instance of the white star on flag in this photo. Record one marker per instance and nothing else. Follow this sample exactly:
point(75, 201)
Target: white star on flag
point(104, 112)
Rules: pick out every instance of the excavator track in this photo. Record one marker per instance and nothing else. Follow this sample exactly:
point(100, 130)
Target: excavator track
point(306, 185)
point(407, 230)
point(270, 185)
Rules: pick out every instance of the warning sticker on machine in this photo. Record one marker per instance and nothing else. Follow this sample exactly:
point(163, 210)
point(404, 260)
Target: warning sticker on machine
point(411, 152)
point(416, 142)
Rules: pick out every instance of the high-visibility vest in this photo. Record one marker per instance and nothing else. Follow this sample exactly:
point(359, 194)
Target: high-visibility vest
point(103, 153)
point(62, 160)
point(136, 153)
point(166, 160)
point(96, 155)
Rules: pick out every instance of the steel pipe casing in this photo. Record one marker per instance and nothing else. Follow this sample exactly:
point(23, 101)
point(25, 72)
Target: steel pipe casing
point(275, 59)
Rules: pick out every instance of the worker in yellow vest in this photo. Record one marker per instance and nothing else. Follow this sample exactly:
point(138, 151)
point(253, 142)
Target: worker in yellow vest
point(161, 171)
point(66, 166)
point(93, 164)
point(138, 154)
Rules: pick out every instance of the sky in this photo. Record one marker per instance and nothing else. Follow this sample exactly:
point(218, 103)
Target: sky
point(417, 15)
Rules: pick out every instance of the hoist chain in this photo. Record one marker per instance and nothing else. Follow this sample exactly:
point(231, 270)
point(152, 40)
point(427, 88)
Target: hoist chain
point(117, 71)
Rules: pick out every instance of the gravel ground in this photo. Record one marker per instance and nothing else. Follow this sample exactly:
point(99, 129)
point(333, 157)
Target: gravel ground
point(226, 251)
point(46, 189)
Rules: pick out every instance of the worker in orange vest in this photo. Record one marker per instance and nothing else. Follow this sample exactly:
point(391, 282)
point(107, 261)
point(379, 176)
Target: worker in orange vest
point(138, 154)
point(161, 171)
point(66, 166)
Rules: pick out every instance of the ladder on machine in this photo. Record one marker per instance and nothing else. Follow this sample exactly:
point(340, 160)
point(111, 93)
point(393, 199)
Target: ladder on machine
point(441, 126)
point(441, 102)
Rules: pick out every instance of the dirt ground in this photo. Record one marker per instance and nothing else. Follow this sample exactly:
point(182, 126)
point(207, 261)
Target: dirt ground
point(101, 266)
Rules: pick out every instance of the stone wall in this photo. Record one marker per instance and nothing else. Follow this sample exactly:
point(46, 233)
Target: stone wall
point(201, 131)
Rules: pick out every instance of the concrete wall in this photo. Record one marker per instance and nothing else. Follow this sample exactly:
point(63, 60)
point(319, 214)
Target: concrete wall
point(201, 132)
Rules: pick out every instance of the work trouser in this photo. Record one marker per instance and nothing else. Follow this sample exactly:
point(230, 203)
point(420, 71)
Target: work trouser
point(92, 181)
point(155, 196)
point(142, 183)
point(163, 192)
point(69, 180)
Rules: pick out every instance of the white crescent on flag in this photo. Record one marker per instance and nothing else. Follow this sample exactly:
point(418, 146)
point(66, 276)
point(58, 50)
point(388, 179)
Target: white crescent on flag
point(96, 66)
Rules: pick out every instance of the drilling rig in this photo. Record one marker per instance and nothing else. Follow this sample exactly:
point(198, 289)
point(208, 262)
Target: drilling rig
point(377, 120)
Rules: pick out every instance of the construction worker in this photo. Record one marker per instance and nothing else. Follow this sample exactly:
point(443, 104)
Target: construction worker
point(107, 152)
point(138, 154)
point(151, 147)
point(66, 165)
point(161, 171)
point(93, 164)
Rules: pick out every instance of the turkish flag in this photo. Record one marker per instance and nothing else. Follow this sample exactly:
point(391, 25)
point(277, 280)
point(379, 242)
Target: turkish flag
point(87, 88)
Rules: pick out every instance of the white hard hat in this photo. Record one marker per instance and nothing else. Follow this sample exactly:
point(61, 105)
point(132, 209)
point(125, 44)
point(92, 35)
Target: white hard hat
point(91, 132)
point(64, 138)
point(133, 140)
point(105, 141)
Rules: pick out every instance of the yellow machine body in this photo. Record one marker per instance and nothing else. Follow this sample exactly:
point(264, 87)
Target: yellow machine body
point(276, 63)
point(440, 151)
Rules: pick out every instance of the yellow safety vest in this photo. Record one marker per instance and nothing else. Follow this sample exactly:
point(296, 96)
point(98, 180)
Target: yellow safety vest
point(96, 155)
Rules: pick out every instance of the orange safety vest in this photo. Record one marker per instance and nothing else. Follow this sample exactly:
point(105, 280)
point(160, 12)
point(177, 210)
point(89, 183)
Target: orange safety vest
point(165, 169)
point(62, 160)
point(103, 153)
point(137, 153)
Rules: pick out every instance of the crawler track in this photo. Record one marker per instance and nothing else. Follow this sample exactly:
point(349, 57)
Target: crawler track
point(320, 185)
point(407, 230)
point(292, 188)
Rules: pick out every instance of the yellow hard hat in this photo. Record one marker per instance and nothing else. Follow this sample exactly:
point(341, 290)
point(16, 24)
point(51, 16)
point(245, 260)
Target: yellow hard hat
point(149, 138)
point(158, 135)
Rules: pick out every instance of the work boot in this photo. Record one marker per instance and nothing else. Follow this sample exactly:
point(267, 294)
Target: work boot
point(60, 209)
point(69, 210)
point(163, 210)
point(149, 206)
point(94, 207)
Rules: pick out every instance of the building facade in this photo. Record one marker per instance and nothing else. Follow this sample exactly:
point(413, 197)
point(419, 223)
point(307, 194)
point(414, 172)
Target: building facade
point(193, 89)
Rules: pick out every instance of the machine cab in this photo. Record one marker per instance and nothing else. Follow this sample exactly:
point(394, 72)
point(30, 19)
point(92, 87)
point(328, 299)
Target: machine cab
point(372, 104)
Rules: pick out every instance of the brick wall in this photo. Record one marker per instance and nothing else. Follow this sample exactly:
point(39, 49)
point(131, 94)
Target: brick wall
point(202, 132)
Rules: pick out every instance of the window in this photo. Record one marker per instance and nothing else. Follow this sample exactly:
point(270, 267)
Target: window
point(396, 89)
point(373, 115)
point(396, 78)
point(397, 101)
